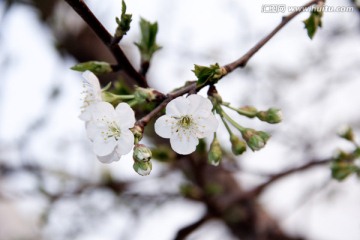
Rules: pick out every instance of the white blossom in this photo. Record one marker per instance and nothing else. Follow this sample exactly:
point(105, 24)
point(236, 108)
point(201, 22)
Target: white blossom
point(187, 120)
point(92, 91)
point(109, 130)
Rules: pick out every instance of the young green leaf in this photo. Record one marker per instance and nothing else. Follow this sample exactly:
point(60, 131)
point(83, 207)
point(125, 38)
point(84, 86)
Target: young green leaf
point(313, 22)
point(205, 74)
point(147, 45)
point(123, 23)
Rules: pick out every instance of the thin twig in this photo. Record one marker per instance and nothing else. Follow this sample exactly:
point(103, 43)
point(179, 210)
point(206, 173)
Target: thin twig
point(123, 62)
point(183, 233)
point(241, 62)
point(259, 189)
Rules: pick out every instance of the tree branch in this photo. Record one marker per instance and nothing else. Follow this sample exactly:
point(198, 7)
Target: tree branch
point(259, 189)
point(241, 62)
point(183, 233)
point(123, 62)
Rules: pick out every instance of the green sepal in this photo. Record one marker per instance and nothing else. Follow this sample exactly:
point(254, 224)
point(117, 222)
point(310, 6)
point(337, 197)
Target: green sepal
point(272, 115)
point(96, 67)
point(147, 45)
point(238, 147)
point(142, 168)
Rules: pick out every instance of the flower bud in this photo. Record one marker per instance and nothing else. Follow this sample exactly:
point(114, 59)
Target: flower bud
point(237, 146)
point(256, 140)
point(264, 135)
point(142, 168)
point(141, 153)
point(347, 133)
point(272, 115)
point(219, 73)
point(145, 94)
point(215, 153)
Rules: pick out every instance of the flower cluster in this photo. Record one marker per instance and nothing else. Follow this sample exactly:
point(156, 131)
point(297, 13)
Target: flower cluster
point(114, 132)
point(111, 130)
point(107, 127)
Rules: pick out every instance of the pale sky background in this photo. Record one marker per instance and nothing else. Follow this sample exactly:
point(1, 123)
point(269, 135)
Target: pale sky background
point(201, 32)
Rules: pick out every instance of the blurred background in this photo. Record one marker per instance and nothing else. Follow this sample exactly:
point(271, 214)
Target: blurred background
point(53, 187)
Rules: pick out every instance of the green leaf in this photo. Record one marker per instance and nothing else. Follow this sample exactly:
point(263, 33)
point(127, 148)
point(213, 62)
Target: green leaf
point(96, 67)
point(340, 171)
point(123, 23)
point(205, 74)
point(313, 22)
point(147, 45)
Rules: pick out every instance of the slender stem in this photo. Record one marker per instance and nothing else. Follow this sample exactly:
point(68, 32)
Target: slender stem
point(229, 119)
point(132, 102)
point(225, 123)
point(122, 61)
point(124, 97)
point(227, 126)
point(241, 62)
point(240, 111)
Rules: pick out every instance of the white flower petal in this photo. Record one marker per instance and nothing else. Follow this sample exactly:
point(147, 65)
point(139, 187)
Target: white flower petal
point(85, 115)
point(112, 157)
point(125, 116)
point(125, 143)
point(103, 147)
point(199, 106)
point(178, 106)
point(92, 130)
point(184, 145)
point(163, 126)
point(207, 126)
point(92, 80)
point(102, 111)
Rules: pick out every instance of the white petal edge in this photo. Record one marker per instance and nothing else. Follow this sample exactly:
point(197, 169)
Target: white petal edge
point(125, 143)
point(211, 124)
point(163, 126)
point(92, 79)
point(125, 116)
point(102, 147)
point(112, 157)
point(178, 107)
point(85, 115)
point(102, 110)
point(199, 105)
point(184, 146)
